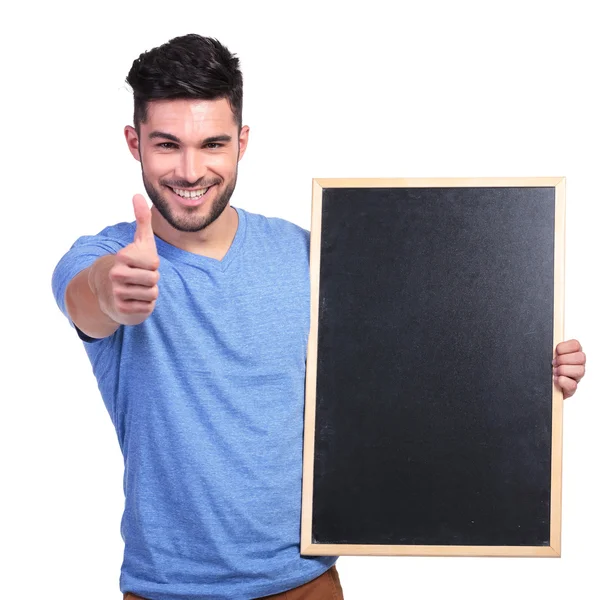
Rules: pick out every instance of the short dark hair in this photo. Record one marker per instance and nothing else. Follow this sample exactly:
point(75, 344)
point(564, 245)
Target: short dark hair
point(189, 66)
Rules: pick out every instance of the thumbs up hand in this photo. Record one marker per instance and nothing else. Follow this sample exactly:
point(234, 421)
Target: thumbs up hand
point(129, 294)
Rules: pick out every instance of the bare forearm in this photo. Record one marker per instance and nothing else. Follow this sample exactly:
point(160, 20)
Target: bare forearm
point(82, 301)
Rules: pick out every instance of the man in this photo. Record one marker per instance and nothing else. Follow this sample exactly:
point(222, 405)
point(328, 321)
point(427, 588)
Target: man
point(202, 366)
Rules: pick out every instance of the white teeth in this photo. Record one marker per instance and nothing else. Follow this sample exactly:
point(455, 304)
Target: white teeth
point(188, 194)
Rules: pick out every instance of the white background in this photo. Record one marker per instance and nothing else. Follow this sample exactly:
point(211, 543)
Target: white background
point(370, 89)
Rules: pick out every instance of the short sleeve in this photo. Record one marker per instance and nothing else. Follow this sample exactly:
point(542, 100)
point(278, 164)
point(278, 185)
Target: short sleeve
point(84, 337)
point(82, 254)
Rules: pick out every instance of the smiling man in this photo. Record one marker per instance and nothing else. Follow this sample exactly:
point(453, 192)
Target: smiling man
point(204, 378)
point(189, 150)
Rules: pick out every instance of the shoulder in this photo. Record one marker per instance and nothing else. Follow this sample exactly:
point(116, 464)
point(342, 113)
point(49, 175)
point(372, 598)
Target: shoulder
point(276, 229)
point(116, 236)
point(124, 230)
point(86, 249)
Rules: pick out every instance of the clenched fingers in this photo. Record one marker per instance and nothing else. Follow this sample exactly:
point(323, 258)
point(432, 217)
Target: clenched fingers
point(125, 275)
point(136, 292)
point(572, 358)
point(568, 347)
point(133, 256)
point(135, 307)
point(568, 385)
point(575, 372)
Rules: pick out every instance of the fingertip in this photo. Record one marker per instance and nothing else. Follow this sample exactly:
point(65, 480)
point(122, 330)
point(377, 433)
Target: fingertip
point(567, 385)
point(139, 201)
point(568, 347)
point(141, 209)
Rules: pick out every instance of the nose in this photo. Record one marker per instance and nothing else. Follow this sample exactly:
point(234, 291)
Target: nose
point(193, 166)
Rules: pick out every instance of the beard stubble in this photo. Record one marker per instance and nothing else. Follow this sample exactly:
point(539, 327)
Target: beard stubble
point(190, 221)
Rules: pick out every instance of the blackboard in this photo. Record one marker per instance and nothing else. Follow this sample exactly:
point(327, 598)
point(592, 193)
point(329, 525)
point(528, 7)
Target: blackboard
point(432, 424)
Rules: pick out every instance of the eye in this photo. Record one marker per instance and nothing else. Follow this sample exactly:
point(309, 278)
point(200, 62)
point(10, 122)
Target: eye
point(213, 145)
point(166, 145)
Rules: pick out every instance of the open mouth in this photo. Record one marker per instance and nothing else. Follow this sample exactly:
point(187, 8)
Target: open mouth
point(191, 197)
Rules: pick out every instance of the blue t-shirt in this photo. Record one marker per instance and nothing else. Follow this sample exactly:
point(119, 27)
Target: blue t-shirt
point(207, 399)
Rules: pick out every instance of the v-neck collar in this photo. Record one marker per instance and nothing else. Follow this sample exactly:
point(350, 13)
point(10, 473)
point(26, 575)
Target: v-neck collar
point(205, 262)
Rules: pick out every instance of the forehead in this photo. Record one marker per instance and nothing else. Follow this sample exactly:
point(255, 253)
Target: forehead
point(189, 118)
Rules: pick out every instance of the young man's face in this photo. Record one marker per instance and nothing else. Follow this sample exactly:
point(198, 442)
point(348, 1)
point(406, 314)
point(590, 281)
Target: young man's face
point(189, 151)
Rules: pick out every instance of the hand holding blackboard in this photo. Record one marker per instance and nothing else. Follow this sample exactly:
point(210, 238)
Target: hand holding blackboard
point(569, 366)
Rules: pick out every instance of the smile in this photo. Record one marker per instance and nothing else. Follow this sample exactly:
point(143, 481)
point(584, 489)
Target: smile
point(191, 193)
point(192, 198)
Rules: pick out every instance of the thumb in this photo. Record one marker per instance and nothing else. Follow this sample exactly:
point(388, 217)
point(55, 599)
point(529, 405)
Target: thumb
point(143, 217)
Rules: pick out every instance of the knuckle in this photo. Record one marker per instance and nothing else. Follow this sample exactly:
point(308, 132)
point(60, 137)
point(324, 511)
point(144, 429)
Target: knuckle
point(120, 292)
point(122, 307)
point(146, 308)
point(123, 254)
point(129, 308)
point(116, 274)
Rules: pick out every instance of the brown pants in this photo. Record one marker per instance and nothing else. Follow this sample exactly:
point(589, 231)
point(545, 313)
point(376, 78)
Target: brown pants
point(324, 587)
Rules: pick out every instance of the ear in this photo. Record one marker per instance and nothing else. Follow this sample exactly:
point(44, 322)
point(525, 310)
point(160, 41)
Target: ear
point(243, 141)
point(133, 141)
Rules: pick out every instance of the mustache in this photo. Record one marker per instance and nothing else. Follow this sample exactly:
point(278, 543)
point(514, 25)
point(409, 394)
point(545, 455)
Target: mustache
point(181, 184)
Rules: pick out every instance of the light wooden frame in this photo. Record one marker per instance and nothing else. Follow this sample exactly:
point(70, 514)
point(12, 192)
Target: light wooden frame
point(306, 545)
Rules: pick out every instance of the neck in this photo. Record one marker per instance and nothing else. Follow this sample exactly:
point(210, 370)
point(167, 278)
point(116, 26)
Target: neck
point(213, 241)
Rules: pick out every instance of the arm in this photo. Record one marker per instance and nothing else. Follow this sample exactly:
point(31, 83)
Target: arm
point(117, 289)
point(83, 304)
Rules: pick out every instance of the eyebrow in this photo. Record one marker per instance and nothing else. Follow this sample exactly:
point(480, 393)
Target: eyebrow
point(173, 138)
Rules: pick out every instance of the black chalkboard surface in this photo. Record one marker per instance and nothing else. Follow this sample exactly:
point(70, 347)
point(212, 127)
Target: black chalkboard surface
point(432, 425)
